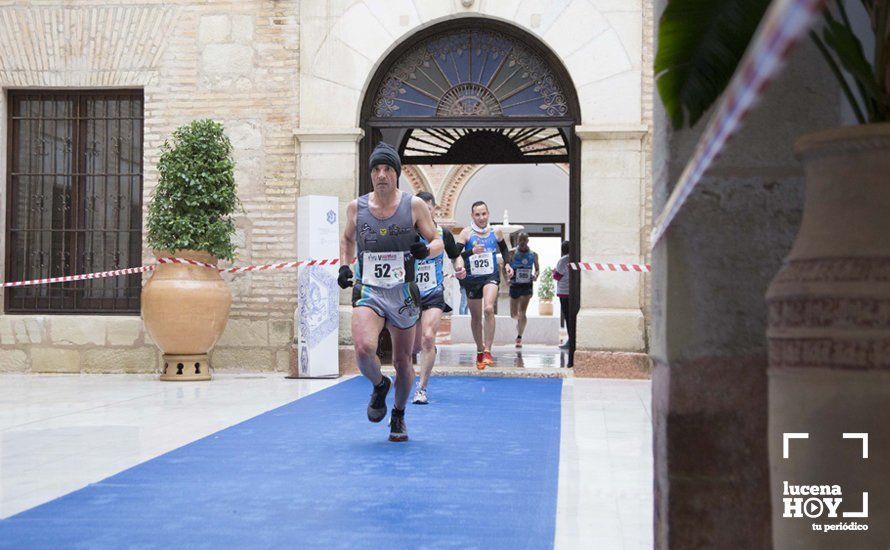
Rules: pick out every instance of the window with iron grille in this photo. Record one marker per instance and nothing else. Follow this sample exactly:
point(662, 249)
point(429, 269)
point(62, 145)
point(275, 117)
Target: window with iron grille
point(74, 199)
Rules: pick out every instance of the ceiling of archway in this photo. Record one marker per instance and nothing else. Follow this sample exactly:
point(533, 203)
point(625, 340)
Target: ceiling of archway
point(470, 73)
point(484, 146)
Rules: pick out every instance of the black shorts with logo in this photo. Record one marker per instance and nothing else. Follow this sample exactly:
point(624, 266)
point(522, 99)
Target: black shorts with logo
point(520, 290)
point(434, 300)
point(474, 285)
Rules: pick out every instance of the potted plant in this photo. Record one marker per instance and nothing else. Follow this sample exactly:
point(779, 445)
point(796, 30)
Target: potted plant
point(828, 331)
point(185, 307)
point(545, 292)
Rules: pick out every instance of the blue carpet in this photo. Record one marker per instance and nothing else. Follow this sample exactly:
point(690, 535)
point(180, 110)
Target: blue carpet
point(480, 471)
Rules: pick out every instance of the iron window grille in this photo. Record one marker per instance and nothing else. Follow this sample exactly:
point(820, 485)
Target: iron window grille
point(74, 199)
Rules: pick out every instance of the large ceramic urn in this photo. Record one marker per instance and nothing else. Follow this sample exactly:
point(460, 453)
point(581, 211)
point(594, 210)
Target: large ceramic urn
point(185, 309)
point(829, 350)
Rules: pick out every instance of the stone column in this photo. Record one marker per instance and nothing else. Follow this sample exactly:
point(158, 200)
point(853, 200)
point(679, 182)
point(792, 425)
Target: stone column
point(708, 342)
point(328, 165)
point(611, 316)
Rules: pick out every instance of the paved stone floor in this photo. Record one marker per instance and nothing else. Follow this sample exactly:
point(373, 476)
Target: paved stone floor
point(527, 357)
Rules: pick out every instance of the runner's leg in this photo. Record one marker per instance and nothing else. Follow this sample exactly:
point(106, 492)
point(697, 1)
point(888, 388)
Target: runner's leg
point(366, 327)
point(489, 297)
point(429, 327)
point(522, 308)
point(476, 322)
point(402, 344)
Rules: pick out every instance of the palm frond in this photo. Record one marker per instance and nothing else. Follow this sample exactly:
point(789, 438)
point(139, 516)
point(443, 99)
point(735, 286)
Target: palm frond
point(700, 44)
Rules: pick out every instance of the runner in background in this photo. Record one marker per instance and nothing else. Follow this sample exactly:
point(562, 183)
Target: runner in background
point(480, 243)
point(525, 272)
point(430, 278)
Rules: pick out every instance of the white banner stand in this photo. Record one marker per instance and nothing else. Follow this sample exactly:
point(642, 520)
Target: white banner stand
point(318, 315)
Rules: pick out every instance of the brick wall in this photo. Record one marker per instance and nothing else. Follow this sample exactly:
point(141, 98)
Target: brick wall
point(234, 61)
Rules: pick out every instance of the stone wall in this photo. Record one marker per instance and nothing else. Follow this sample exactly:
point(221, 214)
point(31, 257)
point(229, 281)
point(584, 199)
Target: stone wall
point(234, 61)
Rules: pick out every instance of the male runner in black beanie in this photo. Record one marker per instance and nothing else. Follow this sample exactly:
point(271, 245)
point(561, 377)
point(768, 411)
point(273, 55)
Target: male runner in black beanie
point(385, 227)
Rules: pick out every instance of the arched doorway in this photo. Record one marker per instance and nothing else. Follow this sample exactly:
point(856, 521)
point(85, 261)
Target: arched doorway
point(476, 91)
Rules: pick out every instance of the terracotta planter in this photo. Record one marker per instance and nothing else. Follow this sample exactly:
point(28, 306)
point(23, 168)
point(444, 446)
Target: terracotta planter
point(829, 342)
point(185, 309)
point(545, 307)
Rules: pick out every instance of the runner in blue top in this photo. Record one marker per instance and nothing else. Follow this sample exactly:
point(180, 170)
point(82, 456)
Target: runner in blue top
point(430, 278)
point(480, 243)
point(525, 273)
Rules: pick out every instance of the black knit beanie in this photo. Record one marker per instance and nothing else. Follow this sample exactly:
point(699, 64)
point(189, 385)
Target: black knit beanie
point(384, 153)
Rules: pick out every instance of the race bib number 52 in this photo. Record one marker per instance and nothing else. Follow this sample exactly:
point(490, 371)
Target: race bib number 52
point(383, 269)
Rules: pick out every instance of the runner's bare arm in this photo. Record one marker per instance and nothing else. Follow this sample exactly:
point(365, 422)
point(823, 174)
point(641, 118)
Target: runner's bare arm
point(425, 226)
point(347, 241)
point(458, 263)
point(537, 268)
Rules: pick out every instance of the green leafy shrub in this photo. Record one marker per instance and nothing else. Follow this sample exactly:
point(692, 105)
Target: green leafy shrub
point(545, 284)
point(192, 206)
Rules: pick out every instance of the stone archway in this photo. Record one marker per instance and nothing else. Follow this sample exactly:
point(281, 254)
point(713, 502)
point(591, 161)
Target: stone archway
point(345, 67)
point(452, 186)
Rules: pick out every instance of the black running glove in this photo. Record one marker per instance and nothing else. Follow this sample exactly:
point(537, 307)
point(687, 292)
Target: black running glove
point(419, 250)
point(345, 277)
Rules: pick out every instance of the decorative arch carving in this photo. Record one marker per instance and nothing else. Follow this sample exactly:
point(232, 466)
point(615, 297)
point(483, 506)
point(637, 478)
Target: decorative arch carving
point(416, 178)
point(452, 187)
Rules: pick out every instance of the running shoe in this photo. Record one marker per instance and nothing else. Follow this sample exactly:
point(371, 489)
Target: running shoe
point(487, 358)
point(480, 361)
point(397, 429)
point(420, 397)
point(377, 405)
point(519, 341)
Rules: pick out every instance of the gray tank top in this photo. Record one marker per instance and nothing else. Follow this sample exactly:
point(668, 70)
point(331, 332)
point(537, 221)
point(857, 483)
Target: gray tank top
point(394, 234)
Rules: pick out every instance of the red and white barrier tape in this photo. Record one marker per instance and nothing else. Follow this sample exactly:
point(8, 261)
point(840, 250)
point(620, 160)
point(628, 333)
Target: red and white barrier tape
point(592, 266)
point(143, 269)
point(784, 25)
point(247, 268)
point(583, 266)
point(85, 276)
